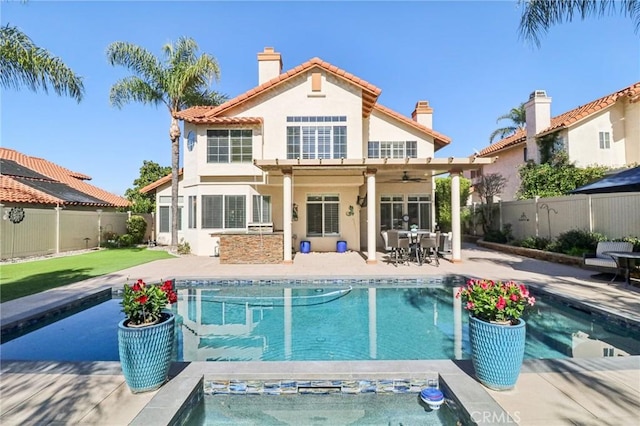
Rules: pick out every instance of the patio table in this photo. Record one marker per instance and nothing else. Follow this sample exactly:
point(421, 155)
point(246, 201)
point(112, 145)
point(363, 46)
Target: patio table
point(625, 261)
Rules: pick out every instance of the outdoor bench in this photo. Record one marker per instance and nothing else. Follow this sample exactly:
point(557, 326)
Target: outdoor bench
point(603, 262)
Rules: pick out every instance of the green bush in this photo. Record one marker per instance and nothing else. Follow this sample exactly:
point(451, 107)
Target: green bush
point(539, 243)
point(496, 236)
point(126, 240)
point(576, 241)
point(136, 227)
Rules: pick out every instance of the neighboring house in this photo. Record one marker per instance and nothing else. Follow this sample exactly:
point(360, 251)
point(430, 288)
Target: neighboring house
point(49, 209)
point(35, 182)
point(308, 154)
point(603, 132)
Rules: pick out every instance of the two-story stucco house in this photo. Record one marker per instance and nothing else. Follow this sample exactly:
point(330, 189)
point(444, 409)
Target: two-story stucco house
point(306, 159)
point(603, 132)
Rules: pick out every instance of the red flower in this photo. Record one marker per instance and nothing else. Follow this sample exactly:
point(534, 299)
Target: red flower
point(172, 297)
point(142, 299)
point(501, 303)
point(514, 297)
point(139, 285)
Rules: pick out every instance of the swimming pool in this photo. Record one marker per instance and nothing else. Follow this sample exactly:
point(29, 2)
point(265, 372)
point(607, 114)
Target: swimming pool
point(327, 320)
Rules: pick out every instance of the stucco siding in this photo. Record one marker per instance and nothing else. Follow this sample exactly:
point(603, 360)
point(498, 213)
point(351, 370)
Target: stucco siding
point(507, 165)
point(632, 132)
point(385, 128)
point(584, 142)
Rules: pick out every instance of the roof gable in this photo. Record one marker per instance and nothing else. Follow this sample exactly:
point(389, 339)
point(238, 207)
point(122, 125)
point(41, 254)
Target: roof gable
point(204, 114)
point(440, 139)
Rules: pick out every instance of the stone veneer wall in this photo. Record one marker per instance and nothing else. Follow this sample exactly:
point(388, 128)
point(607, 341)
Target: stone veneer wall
point(251, 248)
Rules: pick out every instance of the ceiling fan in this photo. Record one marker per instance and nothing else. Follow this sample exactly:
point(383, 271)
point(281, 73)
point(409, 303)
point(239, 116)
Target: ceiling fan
point(406, 178)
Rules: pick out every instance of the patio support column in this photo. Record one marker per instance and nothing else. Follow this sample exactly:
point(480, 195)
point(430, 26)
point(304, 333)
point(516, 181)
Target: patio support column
point(371, 216)
point(456, 234)
point(286, 215)
point(57, 209)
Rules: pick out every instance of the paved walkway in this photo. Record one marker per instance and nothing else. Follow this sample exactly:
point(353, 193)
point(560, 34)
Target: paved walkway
point(549, 392)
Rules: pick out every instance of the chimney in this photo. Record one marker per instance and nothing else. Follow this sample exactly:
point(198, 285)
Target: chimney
point(538, 116)
point(269, 65)
point(423, 114)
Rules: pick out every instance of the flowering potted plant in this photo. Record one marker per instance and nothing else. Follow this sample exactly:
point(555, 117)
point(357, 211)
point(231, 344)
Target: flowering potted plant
point(145, 336)
point(143, 304)
point(498, 302)
point(496, 330)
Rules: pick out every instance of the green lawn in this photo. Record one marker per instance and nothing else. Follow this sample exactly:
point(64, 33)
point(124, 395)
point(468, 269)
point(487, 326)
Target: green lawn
point(22, 279)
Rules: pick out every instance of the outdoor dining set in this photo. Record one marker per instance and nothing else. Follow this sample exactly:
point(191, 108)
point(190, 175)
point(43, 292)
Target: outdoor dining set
point(412, 246)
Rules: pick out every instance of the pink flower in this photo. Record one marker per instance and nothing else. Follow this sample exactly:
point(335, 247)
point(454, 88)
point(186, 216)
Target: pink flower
point(514, 297)
point(501, 303)
point(532, 300)
point(470, 305)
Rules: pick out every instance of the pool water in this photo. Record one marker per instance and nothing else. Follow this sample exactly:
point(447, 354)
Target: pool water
point(330, 410)
point(331, 323)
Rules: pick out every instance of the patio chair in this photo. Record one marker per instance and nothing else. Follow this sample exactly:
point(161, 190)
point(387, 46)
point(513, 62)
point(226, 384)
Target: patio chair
point(400, 247)
point(429, 247)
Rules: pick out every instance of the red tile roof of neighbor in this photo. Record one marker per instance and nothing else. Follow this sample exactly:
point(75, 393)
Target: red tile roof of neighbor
point(569, 118)
point(13, 191)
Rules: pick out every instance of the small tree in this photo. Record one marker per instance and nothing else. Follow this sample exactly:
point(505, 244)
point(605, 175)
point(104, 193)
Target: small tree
point(443, 200)
point(489, 186)
point(149, 173)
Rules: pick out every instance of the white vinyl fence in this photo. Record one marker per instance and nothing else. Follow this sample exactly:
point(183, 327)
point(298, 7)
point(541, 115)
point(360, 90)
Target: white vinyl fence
point(613, 215)
point(54, 230)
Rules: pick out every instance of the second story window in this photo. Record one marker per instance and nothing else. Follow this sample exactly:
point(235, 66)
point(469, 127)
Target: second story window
point(229, 146)
point(392, 149)
point(310, 138)
point(605, 140)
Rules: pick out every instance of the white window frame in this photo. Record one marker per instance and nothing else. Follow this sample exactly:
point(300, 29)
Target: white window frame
point(261, 208)
point(604, 138)
point(236, 147)
point(319, 137)
point(227, 208)
point(392, 149)
point(395, 216)
point(330, 203)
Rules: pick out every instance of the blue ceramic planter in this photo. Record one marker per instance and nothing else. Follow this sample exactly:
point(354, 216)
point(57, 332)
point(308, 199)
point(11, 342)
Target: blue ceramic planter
point(497, 351)
point(145, 353)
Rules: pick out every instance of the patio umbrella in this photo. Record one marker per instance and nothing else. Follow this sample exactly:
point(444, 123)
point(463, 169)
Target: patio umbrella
point(625, 181)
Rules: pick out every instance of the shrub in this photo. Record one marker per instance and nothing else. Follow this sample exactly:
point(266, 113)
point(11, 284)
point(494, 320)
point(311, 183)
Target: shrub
point(495, 236)
point(576, 241)
point(635, 241)
point(136, 227)
point(126, 240)
point(539, 243)
point(184, 247)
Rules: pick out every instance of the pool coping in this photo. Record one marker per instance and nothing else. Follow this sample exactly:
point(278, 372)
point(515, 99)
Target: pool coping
point(463, 393)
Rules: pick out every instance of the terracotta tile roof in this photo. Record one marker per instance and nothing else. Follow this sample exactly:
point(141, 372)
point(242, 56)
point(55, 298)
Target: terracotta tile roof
point(72, 179)
point(440, 139)
point(161, 181)
point(571, 117)
point(370, 93)
point(12, 191)
point(518, 137)
point(227, 120)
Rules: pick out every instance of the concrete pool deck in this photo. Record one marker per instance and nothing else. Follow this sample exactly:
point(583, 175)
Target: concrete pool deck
point(551, 392)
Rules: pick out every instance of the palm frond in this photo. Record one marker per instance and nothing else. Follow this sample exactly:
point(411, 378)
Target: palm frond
point(22, 63)
point(133, 89)
point(540, 15)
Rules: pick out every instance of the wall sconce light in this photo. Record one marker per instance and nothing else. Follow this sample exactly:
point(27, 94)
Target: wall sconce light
point(362, 201)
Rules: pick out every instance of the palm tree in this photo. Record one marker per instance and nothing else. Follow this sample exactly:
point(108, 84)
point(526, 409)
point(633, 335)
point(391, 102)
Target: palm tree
point(179, 80)
point(22, 63)
point(539, 15)
point(518, 119)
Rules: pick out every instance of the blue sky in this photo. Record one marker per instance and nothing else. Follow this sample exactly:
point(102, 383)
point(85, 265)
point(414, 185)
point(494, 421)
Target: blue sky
point(465, 58)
